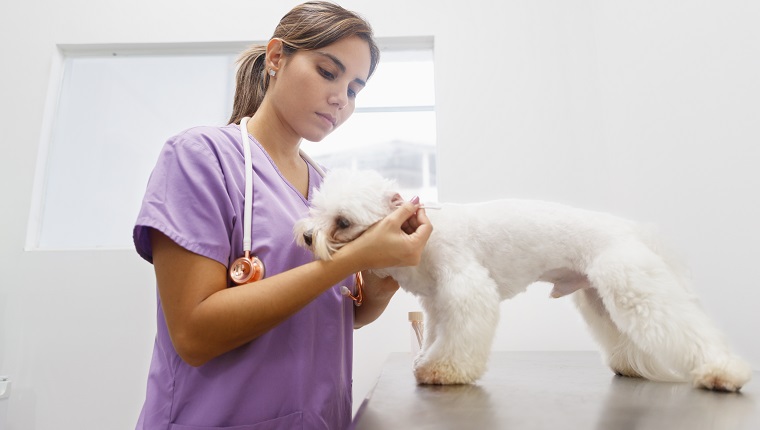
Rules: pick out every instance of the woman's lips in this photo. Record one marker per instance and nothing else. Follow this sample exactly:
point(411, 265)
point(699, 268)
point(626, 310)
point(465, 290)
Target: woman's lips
point(328, 118)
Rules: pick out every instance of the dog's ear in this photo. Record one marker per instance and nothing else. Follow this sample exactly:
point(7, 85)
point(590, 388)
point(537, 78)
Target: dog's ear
point(396, 200)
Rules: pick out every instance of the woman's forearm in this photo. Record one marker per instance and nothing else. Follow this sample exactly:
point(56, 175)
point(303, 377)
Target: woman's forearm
point(206, 319)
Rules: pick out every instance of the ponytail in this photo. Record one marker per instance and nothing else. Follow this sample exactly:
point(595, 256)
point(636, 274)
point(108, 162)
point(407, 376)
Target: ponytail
point(250, 83)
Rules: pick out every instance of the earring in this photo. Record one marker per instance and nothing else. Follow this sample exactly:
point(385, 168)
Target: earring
point(272, 72)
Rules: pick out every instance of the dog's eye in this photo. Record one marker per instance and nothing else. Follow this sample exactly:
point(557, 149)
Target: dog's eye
point(342, 223)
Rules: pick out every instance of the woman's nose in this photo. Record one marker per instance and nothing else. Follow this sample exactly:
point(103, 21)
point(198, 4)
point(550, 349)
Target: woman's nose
point(339, 99)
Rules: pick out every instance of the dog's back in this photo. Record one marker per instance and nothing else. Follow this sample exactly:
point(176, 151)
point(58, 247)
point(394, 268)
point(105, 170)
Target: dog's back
point(532, 237)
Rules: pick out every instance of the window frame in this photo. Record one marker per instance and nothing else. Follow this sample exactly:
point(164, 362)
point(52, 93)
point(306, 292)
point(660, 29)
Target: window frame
point(65, 52)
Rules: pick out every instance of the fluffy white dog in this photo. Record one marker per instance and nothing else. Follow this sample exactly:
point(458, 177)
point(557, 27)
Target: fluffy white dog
point(636, 301)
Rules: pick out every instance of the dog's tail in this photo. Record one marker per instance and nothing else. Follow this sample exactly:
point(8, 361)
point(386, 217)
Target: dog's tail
point(647, 294)
point(652, 238)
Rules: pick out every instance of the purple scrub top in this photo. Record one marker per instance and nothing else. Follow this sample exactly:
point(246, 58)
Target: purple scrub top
point(297, 375)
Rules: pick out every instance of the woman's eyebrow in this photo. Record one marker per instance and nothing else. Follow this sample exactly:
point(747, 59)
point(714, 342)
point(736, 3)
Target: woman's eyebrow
point(340, 65)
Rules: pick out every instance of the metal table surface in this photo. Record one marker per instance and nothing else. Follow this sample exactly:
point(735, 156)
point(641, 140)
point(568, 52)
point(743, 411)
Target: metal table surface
point(551, 390)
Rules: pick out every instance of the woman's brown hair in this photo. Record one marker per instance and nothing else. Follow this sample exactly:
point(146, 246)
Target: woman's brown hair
point(308, 26)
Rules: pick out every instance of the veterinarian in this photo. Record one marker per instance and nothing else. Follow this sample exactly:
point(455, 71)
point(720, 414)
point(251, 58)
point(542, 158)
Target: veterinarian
point(278, 350)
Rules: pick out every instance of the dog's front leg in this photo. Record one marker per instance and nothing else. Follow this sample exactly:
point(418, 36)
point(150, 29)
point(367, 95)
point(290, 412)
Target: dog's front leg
point(461, 319)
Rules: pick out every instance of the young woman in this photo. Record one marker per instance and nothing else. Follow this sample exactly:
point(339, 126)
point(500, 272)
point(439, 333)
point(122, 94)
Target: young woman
point(275, 353)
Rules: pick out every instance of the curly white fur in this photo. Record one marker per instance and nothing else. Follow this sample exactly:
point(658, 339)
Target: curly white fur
point(635, 299)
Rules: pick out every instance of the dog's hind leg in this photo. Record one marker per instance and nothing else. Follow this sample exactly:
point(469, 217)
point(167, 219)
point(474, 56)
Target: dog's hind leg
point(615, 345)
point(461, 320)
point(652, 305)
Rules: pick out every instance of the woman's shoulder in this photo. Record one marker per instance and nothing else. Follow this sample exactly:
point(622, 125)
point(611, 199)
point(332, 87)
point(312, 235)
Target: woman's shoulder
point(214, 140)
point(207, 134)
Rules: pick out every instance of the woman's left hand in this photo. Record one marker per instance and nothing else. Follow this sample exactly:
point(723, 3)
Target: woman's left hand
point(377, 294)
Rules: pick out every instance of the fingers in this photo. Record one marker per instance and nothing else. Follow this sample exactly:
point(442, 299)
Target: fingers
point(408, 228)
point(399, 239)
point(410, 225)
point(414, 218)
point(402, 214)
point(423, 228)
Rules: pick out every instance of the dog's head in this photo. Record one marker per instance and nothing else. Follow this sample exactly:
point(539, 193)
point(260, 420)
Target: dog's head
point(346, 205)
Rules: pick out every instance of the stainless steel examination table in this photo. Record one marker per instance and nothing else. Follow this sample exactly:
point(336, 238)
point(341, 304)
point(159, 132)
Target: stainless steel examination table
point(551, 390)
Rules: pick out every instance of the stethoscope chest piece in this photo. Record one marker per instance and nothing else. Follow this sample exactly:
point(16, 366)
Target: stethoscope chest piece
point(247, 269)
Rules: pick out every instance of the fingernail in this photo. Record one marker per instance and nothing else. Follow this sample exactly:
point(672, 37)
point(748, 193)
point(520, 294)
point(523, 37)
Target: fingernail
point(415, 200)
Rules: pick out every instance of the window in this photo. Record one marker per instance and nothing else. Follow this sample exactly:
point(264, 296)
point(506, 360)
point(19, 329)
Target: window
point(113, 107)
point(393, 128)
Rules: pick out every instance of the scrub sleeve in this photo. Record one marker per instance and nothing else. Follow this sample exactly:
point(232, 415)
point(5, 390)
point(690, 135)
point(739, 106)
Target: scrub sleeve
point(297, 375)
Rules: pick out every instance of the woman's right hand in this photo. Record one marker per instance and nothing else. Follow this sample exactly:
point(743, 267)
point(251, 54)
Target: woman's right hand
point(396, 240)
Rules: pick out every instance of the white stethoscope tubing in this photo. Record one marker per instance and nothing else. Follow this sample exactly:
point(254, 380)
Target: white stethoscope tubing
point(247, 212)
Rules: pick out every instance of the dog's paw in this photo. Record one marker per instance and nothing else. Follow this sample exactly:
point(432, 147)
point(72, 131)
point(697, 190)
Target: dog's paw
point(627, 372)
point(442, 373)
point(623, 368)
point(724, 375)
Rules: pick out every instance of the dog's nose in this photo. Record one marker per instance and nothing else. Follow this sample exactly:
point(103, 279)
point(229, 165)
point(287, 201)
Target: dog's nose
point(307, 238)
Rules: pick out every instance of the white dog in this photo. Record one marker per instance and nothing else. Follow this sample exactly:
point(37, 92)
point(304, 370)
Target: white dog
point(635, 300)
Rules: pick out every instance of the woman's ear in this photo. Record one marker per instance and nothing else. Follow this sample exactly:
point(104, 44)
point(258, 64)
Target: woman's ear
point(274, 56)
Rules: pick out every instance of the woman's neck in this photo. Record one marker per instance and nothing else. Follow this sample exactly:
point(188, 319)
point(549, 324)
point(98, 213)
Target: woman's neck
point(282, 146)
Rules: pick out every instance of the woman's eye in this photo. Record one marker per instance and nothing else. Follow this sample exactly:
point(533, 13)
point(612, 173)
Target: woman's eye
point(351, 93)
point(326, 74)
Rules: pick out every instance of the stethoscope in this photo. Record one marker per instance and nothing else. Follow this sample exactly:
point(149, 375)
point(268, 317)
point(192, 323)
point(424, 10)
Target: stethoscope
point(249, 268)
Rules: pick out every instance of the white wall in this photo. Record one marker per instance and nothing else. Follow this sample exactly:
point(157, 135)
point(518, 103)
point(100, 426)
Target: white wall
point(647, 109)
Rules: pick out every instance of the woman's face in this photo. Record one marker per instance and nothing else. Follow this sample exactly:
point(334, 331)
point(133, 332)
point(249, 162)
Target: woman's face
point(315, 91)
